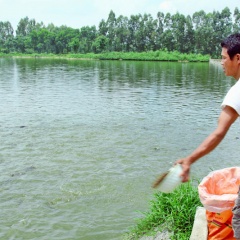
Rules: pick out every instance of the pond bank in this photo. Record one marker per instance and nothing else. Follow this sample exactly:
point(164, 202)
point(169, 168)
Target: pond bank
point(199, 229)
point(167, 216)
point(160, 55)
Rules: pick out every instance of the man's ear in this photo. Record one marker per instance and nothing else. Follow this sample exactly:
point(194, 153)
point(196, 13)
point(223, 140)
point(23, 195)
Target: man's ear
point(238, 57)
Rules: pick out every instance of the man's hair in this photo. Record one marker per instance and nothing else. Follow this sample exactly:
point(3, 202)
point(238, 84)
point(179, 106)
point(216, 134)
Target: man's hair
point(232, 44)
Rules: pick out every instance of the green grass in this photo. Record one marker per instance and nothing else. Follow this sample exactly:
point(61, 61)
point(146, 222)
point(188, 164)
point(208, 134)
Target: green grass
point(173, 211)
point(161, 55)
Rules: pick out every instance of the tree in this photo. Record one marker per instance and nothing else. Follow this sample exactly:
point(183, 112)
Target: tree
point(86, 37)
point(189, 38)
point(74, 45)
point(26, 26)
point(178, 29)
point(6, 37)
point(167, 37)
point(63, 36)
point(133, 28)
point(202, 31)
point(222, 27)
point(236, 25)
point(140, 34)
point(101, 44)
point(150, 26)
point(102, 28)
point(110, 24)
point(122, 34)
point(43, 41)
point(159, 30)
point(199, 33)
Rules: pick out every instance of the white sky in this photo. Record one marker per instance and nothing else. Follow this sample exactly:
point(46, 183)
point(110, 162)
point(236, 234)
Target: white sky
point(79, 13)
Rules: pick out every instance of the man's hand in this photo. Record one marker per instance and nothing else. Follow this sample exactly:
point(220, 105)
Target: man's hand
point(185, 164)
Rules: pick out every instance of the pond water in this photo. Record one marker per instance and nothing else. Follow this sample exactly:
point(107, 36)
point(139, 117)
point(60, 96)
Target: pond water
point(82, 141)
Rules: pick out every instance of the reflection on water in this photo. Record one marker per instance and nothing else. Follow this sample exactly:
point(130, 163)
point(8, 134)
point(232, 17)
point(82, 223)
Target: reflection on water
point(82, 141)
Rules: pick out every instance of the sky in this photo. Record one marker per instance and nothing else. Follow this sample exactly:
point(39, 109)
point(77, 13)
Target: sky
point(80, 13)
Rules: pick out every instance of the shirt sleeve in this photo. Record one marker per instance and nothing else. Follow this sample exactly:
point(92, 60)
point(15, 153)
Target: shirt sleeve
point(232, 99)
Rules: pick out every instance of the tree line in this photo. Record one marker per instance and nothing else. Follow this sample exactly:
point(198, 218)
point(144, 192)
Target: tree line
point(200, 33)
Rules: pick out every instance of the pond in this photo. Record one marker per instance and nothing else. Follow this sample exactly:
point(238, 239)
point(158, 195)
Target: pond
point(82, 141)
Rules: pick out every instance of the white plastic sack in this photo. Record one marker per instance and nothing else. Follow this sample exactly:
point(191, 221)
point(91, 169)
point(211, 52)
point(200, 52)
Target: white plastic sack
point(218, 190)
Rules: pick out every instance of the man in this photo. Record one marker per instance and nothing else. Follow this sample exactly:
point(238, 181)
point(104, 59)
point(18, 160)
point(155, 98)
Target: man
point(230, 112)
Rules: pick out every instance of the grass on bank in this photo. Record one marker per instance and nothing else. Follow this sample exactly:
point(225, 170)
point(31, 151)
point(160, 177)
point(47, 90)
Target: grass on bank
point(174, 212)
point(161, 55)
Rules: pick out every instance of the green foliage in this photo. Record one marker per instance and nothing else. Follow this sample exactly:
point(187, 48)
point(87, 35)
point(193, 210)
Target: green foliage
point(174, 211)
point(143, 56)
point(200, 33)
point(100, 44)
point(154, 56)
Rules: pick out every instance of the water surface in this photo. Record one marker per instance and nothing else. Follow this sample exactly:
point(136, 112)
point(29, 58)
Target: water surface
point(82, 141)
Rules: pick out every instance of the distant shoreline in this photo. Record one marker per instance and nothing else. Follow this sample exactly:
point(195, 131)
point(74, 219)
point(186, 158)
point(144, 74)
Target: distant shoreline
point(160, 55)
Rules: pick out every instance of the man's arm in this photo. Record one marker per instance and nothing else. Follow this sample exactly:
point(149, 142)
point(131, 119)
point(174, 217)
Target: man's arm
point(226, 119)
